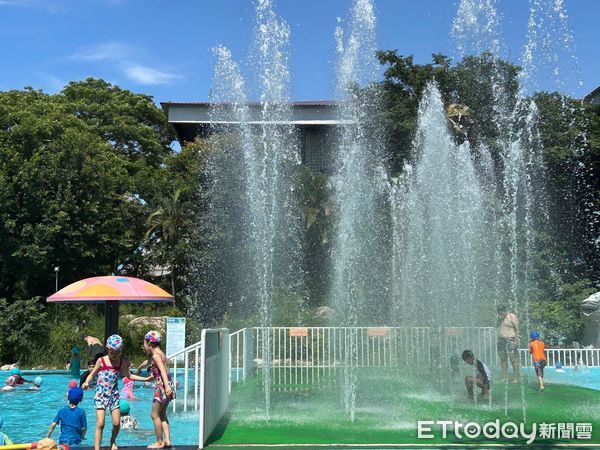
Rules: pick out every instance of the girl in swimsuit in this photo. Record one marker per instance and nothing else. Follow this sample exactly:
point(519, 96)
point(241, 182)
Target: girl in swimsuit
point(109, 368)
point(163, 389)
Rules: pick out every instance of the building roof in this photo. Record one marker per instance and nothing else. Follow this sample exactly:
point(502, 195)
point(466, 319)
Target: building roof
point(192, 119)
point(593, 97)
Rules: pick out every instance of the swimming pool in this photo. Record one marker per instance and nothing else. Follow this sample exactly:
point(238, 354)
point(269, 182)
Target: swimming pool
point(28, 414)
point(587, 377)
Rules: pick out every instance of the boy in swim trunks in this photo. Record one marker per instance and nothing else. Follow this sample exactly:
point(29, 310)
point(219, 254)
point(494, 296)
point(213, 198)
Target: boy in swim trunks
point(537, 350)
point(482, 376)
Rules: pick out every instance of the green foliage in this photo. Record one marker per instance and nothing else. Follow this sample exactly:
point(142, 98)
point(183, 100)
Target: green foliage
point(470, 82)
point(558, 318)
point(24, 326)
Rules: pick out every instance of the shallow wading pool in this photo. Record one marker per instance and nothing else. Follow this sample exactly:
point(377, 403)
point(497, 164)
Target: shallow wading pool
point(28, 414)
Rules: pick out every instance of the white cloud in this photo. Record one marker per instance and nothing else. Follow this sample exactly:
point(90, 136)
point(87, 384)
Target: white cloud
point(147, 75)
point(123, 57)
point(109, 51)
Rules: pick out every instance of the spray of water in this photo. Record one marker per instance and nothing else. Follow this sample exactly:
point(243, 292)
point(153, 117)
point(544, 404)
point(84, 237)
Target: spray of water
point(356, 185)
point(268, 144)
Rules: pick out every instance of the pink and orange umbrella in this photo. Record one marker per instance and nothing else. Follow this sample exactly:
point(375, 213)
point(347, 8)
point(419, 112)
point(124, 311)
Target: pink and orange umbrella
point(111, 291)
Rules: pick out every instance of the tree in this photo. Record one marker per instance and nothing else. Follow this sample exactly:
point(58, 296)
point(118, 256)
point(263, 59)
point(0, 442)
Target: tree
point(165, 230)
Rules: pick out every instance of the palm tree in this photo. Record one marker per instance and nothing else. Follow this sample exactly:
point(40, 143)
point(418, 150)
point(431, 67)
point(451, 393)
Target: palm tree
point(165, 227)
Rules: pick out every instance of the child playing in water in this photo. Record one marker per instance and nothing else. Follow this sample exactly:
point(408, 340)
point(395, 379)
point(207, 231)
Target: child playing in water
point(4, 439)
point(90, 366)
point(72, 420)
point(482, 376)
point(163, 389)
point(15, 378)
point(128, 422)
point(127, 391)
point(537, 348)
point(106, 398)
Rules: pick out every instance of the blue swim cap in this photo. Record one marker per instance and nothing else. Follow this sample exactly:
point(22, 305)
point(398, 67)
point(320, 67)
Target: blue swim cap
point(75, 395)
point(37, 381)
point(124, 406)
point(534, 335)
point(15, 371)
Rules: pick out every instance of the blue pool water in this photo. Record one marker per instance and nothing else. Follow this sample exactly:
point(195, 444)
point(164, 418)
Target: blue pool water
point(588, 377)
point(28, 414)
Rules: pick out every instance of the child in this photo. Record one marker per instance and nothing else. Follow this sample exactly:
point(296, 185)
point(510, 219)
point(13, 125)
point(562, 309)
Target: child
point(127, 391)
point(537, 348)
point(90, 366)
point(482, 378)
point(72, 420)
point(15, 378)
point(128, 422)
point(4, 439)
point(163, 390)
point(106, 398)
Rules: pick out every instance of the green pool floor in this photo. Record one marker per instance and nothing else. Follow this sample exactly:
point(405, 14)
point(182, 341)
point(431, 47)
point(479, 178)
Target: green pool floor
point(387, 408)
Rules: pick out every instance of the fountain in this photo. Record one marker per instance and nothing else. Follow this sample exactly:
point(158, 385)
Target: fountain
point(437, 246)
point(269, 155)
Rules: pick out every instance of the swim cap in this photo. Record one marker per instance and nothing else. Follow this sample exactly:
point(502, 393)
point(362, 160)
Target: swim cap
point(534, 335)
point(75, 395)
point(558, 365)
point(15, 371)
point(37, 381)
point(72, 384)
point(114, 342)
point(124, 406)
point(153, 336)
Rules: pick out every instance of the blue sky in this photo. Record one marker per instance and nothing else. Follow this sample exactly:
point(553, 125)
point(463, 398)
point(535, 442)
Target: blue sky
point(163, 48)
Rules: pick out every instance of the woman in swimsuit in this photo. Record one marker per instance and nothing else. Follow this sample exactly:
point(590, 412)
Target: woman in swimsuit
point(109, 368)
point(163, 389)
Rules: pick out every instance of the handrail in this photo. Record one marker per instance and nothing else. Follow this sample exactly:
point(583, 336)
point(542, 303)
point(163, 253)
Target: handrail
point(185, 350)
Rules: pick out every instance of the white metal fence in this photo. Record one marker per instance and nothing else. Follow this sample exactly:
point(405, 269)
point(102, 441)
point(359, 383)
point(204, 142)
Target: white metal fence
point(307, 355)
point(191, 359)
point(569, 357)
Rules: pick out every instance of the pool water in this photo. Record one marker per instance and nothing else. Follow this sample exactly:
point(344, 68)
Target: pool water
point(585, 377)
point(28, 414)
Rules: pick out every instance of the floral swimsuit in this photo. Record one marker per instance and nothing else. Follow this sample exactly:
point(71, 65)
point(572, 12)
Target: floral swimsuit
point(159, 389)
point(107, 387)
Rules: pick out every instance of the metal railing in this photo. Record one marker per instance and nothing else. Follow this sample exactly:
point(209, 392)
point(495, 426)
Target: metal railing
point(307, 355)
point(191, 358)
point(568, 357)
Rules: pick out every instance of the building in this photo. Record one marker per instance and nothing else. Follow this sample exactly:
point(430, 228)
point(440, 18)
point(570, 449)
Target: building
point(593, 98)
point(315, 121)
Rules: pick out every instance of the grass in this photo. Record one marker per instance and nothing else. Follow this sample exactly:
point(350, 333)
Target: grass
point(388, 406)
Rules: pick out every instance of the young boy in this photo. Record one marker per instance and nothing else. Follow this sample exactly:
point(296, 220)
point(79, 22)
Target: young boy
point(72, 420)
point(90, 366)
point(127, 422)
point(482, 378)
point(4, 439)
point(537, 350)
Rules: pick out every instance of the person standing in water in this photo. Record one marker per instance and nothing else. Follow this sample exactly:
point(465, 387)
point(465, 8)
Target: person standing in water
point(508, 342)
